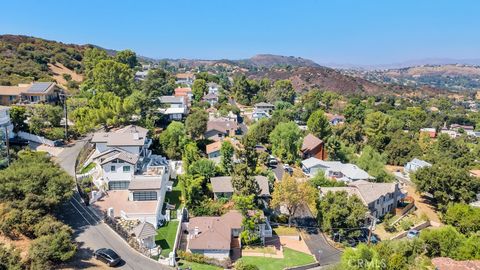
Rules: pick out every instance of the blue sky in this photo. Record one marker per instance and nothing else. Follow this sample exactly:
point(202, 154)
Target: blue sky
point(340, 31)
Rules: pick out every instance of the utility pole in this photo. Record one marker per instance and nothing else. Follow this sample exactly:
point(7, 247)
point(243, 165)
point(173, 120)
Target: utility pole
point(65, 111)
point(373, 221)
point(8, 145)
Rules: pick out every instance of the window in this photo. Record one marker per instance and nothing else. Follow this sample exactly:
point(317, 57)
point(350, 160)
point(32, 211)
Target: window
point(115, 161)
point(145, 196)
point(126, 168)
point(118, 185)
point(112, 168)
point(378, 201)
point(384, 199)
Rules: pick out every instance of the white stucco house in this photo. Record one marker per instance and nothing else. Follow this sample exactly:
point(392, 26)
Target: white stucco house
point(133, 180)
point(415, 164)
point(175, 108)
point(345, 172)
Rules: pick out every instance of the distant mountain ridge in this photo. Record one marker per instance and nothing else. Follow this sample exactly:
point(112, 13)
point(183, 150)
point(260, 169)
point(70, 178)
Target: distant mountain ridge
point(271, 60)
point(407, 64)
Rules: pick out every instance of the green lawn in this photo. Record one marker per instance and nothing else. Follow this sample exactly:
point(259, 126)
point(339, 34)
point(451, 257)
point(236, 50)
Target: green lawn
point(197, 266)
point(173, 197)
point(166, 237)
point(87, 168)
point(291, 258)
point(284, 230)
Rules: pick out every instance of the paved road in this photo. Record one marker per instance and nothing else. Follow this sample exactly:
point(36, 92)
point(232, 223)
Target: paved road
point(278, 171)
point(90, 232)
point(320, 248)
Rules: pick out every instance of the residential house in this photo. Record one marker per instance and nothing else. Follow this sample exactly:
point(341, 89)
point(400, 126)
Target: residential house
point(335, 119)
point(213, 151)
point(185, 92)
point(37, 92)
point(312, 146)
point(380, 198)
point(133, 180)
point(262, 110)
point(220, 128)
point(5, 122)
point(222, 186)
point(215, 237)
point(175, 108)
point(211, 98)
point(213, 88)
point(415, 164)
point(141, 75)
point(459, 128)
point(452, 133)
point(185, 78)
point(432, 132)
point(345, 172)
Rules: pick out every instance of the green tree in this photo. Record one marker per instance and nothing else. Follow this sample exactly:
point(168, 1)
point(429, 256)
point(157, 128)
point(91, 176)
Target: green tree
point(319, 125)
point(112, 76)
point(376, 127)
point(374, 163)
point(52, 248)
point(18, 116)
point(260, 131)
point(282, 90)
point(338, 213)
point(10, 258)
point(286, 140)
point(191, 153)
point(227, 151)
point(127, 57)
point(172, 140)
point(464, 217)
point(354, 111)
point(320, 180)
point(158, 83)
point(447, 183)
point(293, 195)
point(401, 149)
point(196, 124)
point(199, 88)
point(442, 242)
point(203, 167)
point(91, 57)
point(362, 257)
point(241, 265)
point(243, 183)
point(244, 203)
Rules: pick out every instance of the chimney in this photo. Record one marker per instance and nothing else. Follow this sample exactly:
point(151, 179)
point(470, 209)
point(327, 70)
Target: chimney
point(135, 136)
point(195, 231)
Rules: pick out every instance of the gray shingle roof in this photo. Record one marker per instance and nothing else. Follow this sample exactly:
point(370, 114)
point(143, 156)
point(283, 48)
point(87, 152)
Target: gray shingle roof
point(223, 184)
point(367, 191)
point(140, 184)
point(39, 87)
point(171, 99)
point(144, 230)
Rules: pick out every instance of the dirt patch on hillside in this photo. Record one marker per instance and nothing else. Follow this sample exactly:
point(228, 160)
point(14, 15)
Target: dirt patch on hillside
point(58, 71)
point(22, 244)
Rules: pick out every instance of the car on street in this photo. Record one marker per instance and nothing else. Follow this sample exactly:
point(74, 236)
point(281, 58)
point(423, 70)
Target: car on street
point(107, 256)
point(413, 234)
point(272, 161)
point(287, 169)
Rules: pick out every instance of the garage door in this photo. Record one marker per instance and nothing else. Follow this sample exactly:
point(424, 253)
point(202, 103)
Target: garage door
point(145, 196)
point(116, 185)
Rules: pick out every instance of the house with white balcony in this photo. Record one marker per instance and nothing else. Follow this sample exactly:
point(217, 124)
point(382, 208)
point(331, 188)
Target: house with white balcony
point(213, 88)
point(175, 108)
point(132, 180)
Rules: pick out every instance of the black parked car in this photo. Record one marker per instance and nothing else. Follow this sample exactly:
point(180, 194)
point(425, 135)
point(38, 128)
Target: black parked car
point(107, 256)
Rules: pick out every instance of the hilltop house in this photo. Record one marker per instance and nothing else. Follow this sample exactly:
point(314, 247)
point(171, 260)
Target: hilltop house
point(312, 146)
point(175, 108)
point(222, 186)
point(345, 172)
point(185, 78)
point(262, 110)
point(415, 164)
point(185, 92)
point(432, 132)
point(215, 237)
point(220, 128)
point(141, 75)
point(335, 119)
point(133, 180)
point(37, 92)
point(213, 151)
point(211, 98)
point(380, 198)
point(213, 88)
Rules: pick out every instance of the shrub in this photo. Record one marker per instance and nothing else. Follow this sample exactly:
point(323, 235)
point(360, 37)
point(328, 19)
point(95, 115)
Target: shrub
point(406, 224)
point(200, 258)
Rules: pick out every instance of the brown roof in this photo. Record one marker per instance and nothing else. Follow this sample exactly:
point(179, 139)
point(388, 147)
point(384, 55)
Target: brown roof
point(122, 155)
point(221, 125)
point(310, 142)
point(223, 184)
point(214, 147)
point(184, 75)
point(182, 91)
point(442, 263)
point(141, 184)
point(12, 90)
point(367, 191)
point(213, 232)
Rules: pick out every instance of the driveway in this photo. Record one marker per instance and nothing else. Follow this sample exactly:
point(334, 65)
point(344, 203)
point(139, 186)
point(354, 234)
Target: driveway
point(278, 171)
point(90, 232)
